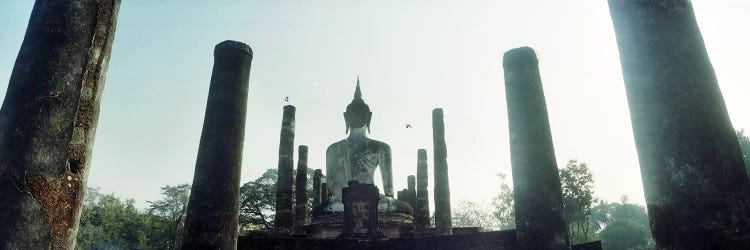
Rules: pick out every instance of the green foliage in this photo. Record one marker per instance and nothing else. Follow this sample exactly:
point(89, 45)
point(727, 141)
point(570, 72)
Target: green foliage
point(578, 196)
point(168, 216)
point(745, 147)
point(258, 201)
point(472, 214)
point(622, 225)
point(625, 234)
point(499, 216)
point(503, 204)
point(109, 223)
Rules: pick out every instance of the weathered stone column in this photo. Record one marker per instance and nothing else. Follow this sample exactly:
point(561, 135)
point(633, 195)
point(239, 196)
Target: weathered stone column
point(696, 188)
point(443, 224)
point(401, 195)
point(300, 208)
point(422, 212)
point(211, 221)
point(536, 183)
point(284, 220)
point(48, 121)
point(317, 176)
point(411, 193)
point(323, 192)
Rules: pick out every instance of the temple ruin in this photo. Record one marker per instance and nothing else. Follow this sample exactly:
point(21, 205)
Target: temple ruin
point(692, 169)
point(350, 210)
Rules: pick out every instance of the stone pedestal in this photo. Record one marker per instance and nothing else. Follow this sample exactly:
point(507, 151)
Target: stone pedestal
point(360, 211)
point(326, 224)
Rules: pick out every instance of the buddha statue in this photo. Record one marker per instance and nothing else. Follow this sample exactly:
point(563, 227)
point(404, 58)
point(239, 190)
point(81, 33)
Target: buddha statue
point(356, 158)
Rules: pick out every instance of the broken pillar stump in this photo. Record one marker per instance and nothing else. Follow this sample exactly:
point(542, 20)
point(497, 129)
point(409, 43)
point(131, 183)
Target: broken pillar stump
point(411, 192)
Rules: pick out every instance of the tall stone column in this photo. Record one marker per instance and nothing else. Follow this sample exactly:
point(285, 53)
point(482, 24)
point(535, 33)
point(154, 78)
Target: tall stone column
point(317, 176)
point(536, 183)
point(411, 192)
point(422, 211)
point(284, 220)
point(696, 188)
point(443, 223)
point(211, 221)
point(300, 208)
point(48, 121)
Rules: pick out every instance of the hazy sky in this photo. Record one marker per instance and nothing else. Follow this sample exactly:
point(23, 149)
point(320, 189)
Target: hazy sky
point(412, 56)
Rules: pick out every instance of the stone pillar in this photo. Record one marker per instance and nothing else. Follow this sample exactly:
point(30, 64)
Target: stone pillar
point(697, 191)
point(443, 224)
point(536, 183)
point(48, 121)
point(300, 208)
point(284, 220)
point(411, 196)
point(422, 212)
point(323, 192)
point(211, 221)
point(317, 176)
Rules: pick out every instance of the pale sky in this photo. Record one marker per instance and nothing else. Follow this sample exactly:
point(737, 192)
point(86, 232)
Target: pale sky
point(412, 56)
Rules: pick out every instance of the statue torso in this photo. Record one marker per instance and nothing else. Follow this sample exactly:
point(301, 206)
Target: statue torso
point(353, 159)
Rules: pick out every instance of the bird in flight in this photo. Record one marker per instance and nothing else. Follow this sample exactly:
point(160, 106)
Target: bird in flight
point(407, 125)
point(286, 99)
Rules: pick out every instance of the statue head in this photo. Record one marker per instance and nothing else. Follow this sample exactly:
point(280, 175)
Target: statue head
point(357, 113)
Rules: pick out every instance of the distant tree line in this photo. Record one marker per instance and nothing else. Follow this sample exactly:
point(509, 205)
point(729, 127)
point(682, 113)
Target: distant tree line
point(107, 222)
point(619, 225)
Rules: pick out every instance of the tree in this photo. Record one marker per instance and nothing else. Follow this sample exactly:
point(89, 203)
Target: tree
point(503, 204)
point(109, 223)
point(624, 234)
point(622, 225)
point(471, 214)
point(168, 216)
point(578, 196)
point(745, 147)
point(258, 201)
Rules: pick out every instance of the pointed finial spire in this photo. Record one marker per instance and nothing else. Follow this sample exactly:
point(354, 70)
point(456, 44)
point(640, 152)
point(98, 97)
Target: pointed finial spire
point(357, 92)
